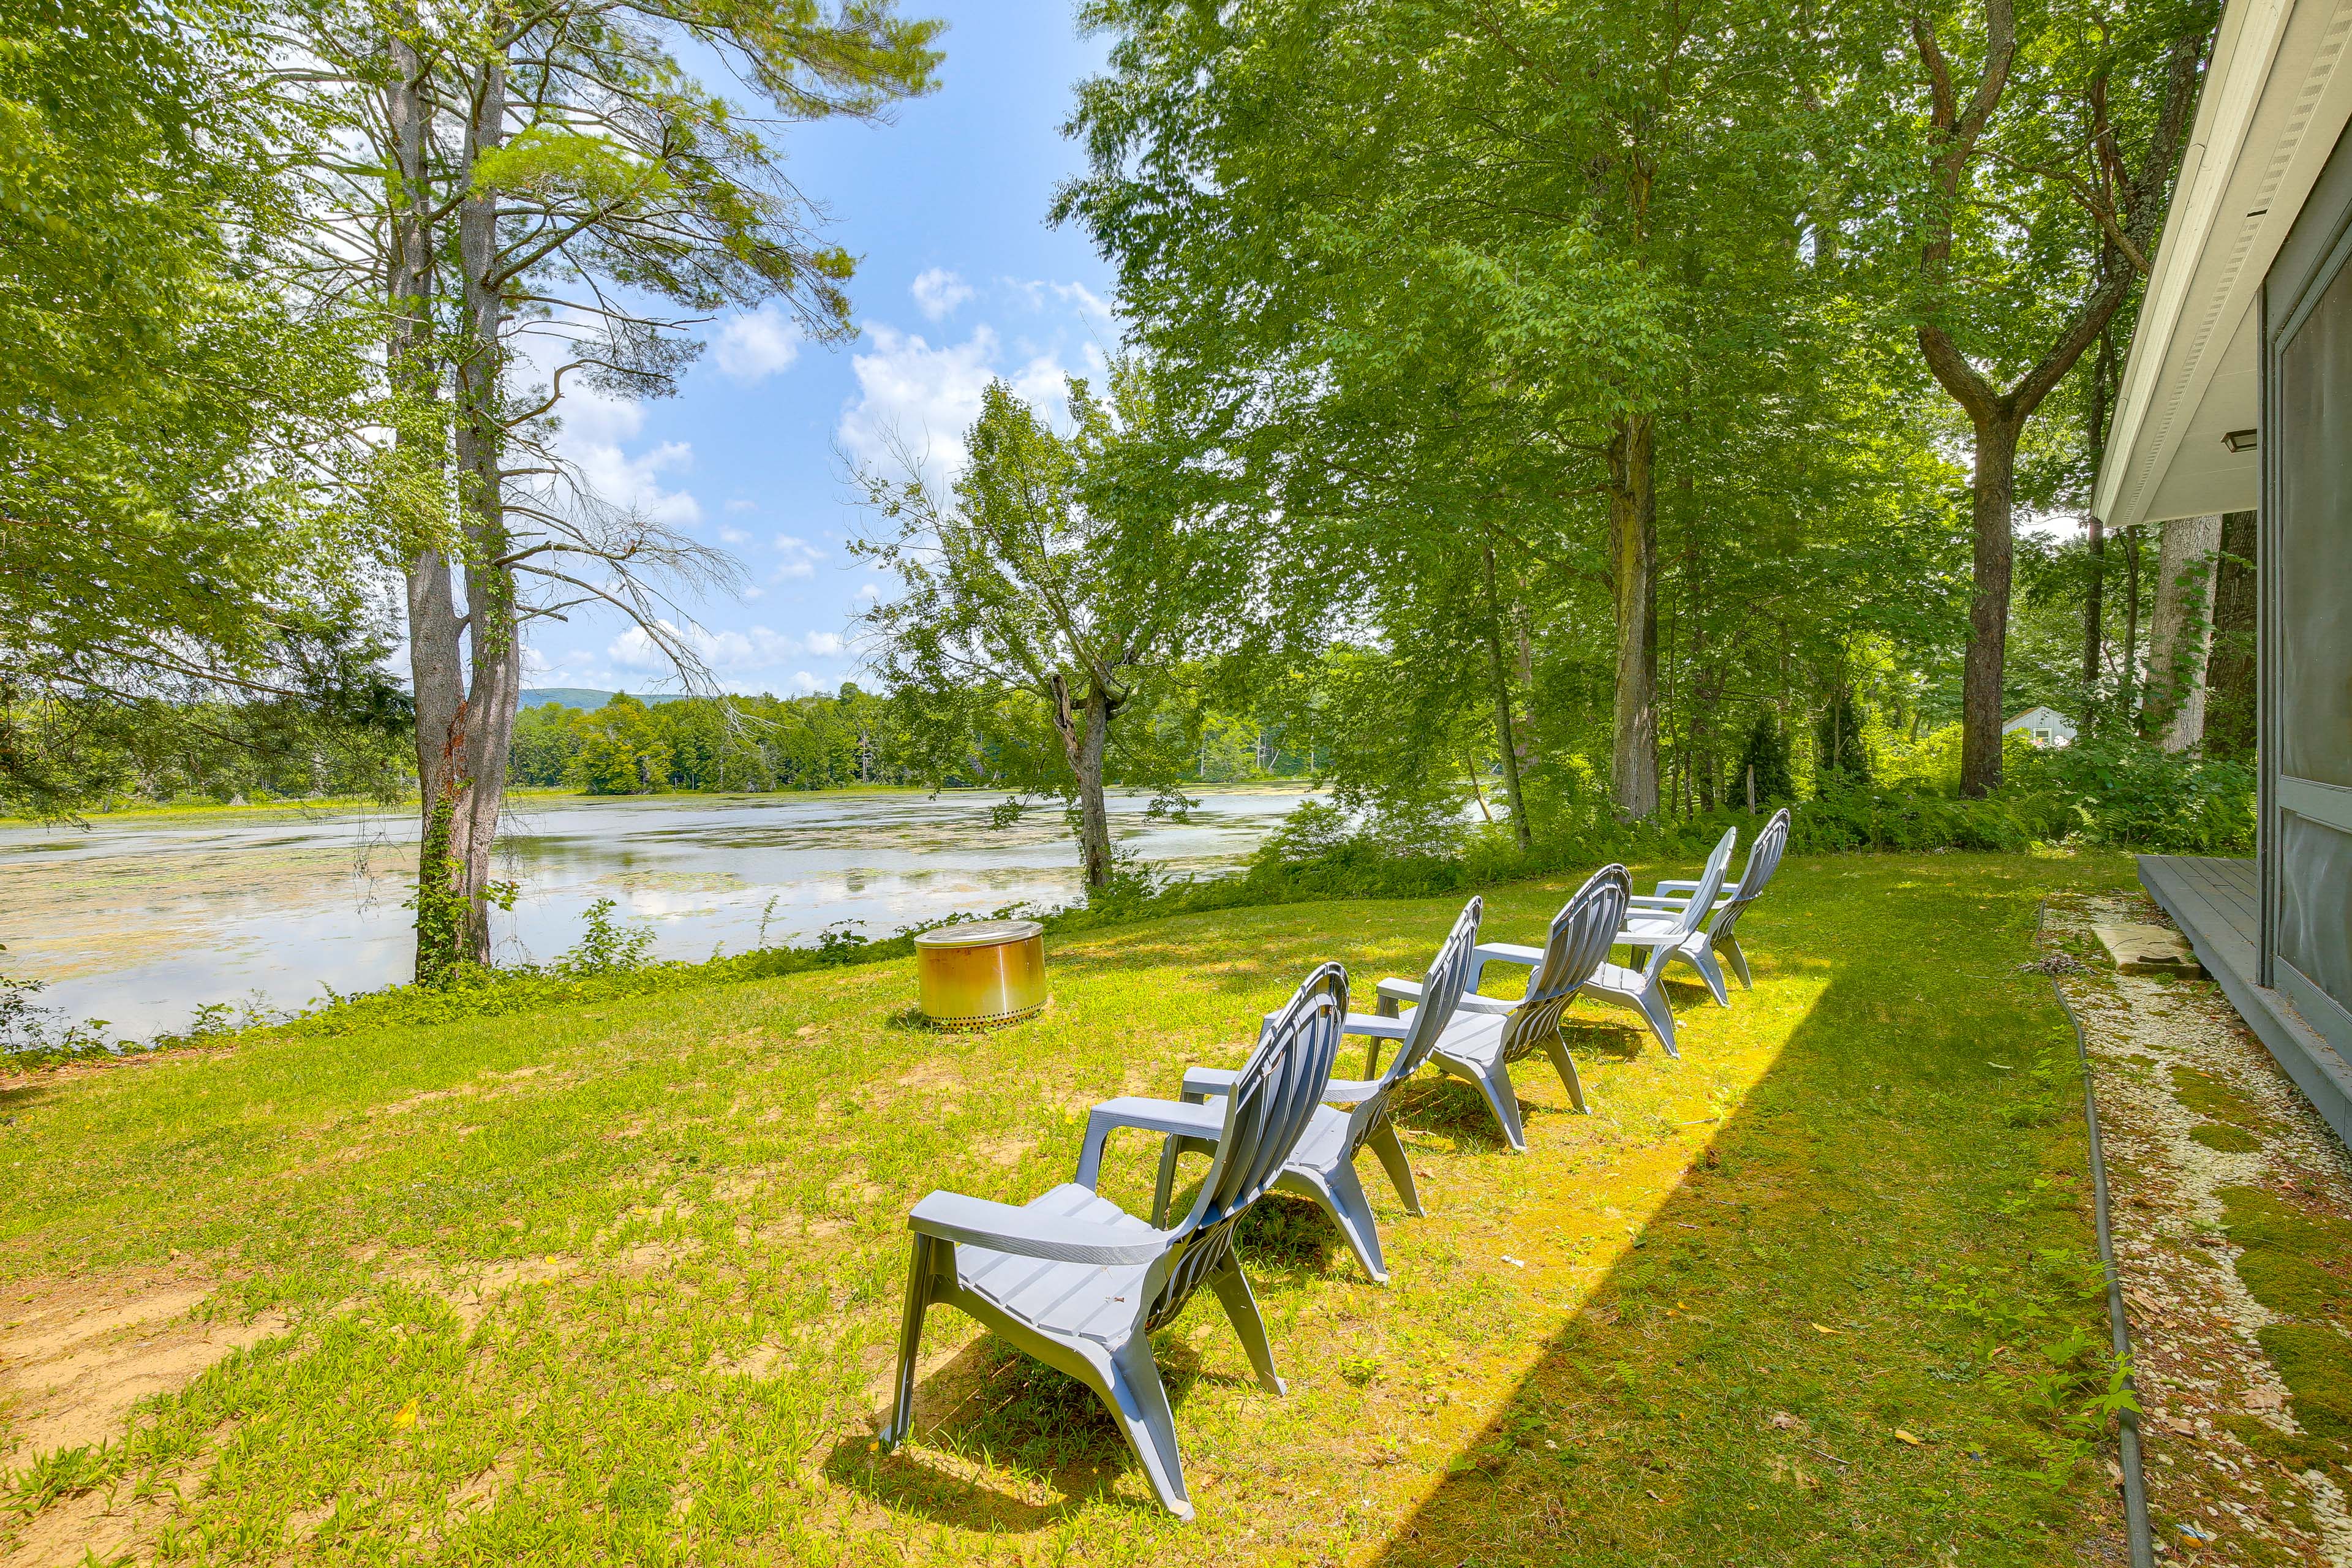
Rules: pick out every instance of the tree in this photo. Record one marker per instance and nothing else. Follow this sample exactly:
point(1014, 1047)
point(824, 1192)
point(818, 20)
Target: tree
point(1534, 306)
point(178, 537)
point(1764, 759)
point(2046, 150)
point(1069, 573)
point(550, 193)
point(2230, 669)
point(2180, 631)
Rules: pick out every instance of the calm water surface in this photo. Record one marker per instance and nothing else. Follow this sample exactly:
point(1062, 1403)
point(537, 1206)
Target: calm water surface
point(140, 923)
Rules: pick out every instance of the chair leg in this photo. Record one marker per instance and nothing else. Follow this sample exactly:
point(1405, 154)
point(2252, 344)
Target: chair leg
point(1659, 1015)
point(1397, 1163)
point(1494, 1083)
point(1130, 1386)
point(1557, 1048)
point(1241, 1309)
point(910, 1337)
point(1342, 1197)
point(1703, 960)
point(1729, 947)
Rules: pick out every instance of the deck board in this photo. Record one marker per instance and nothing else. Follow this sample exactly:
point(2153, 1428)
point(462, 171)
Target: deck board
point(2217, 905)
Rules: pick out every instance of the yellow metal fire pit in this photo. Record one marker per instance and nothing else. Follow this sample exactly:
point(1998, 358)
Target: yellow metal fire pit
point(987, 971)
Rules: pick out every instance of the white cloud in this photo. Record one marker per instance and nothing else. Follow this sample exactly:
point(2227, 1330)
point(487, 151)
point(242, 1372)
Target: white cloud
point(826, 645)
point(800, 557)
point(925, 398)
point(1085, 298)
point(733, 536)
point(939, 291)
point(739, 505)
point(870, 591)
point(804, 683)
point(758, 344)
point(596, 438)
point(755, 649)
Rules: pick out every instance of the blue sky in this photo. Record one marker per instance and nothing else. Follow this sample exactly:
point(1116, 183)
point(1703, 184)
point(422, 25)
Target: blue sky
point(961, 279)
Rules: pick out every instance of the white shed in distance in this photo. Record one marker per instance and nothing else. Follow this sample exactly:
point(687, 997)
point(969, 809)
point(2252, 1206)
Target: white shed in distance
point(2043, 726)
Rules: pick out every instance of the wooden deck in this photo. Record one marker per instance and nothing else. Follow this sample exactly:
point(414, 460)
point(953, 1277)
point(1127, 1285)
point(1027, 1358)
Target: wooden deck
point(2217, 905)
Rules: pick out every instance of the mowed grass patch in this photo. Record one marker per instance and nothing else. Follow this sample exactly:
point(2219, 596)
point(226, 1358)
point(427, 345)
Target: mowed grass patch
point(622, 1283)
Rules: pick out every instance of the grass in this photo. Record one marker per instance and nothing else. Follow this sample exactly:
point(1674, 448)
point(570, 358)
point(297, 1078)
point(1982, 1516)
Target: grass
point(621, 1282)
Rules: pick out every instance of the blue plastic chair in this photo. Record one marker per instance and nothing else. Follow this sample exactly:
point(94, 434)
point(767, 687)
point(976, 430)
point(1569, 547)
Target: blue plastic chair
point(1660, 918)
point(1077, 1282)
point(1487, 1034)
point(1323, 1166)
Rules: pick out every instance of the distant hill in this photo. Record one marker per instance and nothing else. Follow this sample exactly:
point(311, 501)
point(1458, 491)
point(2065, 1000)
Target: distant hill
point(581, 697)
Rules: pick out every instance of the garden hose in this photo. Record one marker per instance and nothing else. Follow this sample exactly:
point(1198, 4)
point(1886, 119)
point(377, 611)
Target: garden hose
point(2136, 1523)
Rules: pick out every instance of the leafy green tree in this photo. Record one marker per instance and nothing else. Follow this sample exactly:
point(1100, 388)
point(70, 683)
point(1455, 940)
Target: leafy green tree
point(557, 173)
point(2043, 145)
point(1067, 575)
point(1764, 758)
point(177, 421)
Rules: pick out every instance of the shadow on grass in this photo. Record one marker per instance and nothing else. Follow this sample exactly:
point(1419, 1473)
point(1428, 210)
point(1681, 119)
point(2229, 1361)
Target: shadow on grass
point(992, 1409)
point(1879, 1240)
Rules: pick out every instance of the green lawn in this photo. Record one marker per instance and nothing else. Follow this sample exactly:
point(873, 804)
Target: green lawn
point(622, 1283)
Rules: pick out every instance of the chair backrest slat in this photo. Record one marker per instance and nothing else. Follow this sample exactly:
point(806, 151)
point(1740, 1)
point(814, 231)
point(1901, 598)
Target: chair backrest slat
point(1579, 939)
point(1441, 993)
point(1273, 1097)
point(1763, 859)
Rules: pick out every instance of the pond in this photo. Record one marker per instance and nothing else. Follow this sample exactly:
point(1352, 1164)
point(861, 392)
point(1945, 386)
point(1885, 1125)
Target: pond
point(139, 921)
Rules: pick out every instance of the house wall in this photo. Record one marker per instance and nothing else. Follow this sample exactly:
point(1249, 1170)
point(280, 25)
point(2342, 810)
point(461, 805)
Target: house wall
point(2305, 627)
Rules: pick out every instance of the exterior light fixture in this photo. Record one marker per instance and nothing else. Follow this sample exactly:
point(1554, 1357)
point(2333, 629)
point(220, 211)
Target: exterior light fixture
point(2239, 440)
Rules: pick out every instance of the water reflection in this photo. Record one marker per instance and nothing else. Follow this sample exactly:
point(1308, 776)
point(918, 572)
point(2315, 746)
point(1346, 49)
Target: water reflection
point(140, 923)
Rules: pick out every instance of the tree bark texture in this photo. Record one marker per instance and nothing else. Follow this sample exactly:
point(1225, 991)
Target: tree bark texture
point(1086, 738)
point(465, 705)
point(2180, 632)
point(2230, 667)
point(1981, 696)
point(1633, 573)
point(1505, 740)
point(2095, 644)
point(2130, 665)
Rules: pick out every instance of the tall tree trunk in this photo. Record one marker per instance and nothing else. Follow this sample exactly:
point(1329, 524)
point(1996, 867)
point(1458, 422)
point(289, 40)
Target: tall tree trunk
point(2103, 377)
point(1633, 573)
point(2230, 667)
point(473, 788)
point(2180, 631)
point(1505, 739)
point(2131, 622)
point(435, 657)
point(1995, 485)
point(1086, 738)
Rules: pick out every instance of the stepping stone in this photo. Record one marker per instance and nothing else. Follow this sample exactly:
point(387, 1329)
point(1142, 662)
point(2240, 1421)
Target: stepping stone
point(2149, 950)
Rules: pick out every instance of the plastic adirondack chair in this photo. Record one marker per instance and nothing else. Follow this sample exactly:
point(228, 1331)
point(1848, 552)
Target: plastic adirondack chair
point(1487, 1034)
point(1323, 1167)
point(1080, 1284)
point(1659, 924)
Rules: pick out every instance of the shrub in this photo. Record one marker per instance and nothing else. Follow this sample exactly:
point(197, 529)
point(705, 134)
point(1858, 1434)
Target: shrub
point(2121, 791)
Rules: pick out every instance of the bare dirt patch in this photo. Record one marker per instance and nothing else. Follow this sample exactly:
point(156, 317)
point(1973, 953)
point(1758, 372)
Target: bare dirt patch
point(76, 1356)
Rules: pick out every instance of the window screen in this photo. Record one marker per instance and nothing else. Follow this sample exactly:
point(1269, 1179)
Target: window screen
point(2314, 412)
point(2315, 928)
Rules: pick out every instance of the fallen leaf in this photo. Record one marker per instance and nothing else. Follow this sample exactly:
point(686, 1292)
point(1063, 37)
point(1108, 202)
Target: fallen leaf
point(1903, 1437)
point(405, 1416)
point(1514, 1262)
point(1651, 1496)
point(1818, 1330)
point(1785, 1422)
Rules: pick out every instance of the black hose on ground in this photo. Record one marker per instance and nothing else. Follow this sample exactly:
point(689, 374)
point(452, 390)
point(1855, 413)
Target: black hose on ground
point(2135, 1524)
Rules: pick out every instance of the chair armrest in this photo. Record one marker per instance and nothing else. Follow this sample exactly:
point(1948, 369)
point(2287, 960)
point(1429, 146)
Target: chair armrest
point(1168, 1117)
point(1505, 952)
point(1350, 1091)
point(1200, 1083)
point(1682, 891)
point(1394, 989)
point(1377, 1027)
point(1675, 902)
point(1002, 1228)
